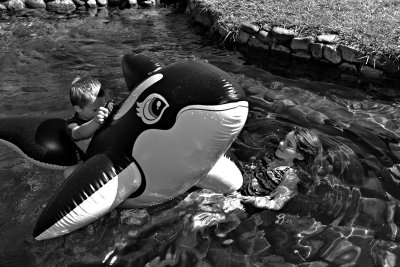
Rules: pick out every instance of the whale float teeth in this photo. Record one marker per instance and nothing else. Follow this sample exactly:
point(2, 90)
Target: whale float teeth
point(80, 202)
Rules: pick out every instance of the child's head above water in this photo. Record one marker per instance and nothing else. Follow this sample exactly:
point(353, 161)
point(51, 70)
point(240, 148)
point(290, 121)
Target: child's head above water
point(308, 150)
point(86, 96)
point(301, 146)
point(308, 144)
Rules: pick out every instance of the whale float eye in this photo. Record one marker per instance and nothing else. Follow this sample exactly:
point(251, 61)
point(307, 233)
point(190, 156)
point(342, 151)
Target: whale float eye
point(131, 100)
point(152, 108)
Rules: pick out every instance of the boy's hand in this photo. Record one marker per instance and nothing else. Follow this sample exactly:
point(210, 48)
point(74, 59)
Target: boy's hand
point(101, 114)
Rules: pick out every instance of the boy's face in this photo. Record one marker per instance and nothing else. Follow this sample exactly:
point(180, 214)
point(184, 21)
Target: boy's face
point(89, 111)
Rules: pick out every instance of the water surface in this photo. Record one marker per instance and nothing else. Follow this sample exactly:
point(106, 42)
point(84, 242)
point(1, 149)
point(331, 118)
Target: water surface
point(348, 221)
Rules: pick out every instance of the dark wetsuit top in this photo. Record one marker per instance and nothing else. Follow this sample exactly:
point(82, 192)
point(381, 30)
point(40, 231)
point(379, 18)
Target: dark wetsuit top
point(76, 119)
point(84, 143)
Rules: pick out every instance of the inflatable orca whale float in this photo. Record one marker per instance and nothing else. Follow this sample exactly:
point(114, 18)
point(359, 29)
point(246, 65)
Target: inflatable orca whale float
point(172, 132)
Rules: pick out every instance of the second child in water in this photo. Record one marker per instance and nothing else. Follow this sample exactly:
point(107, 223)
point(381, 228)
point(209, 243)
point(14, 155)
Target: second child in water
point(274, 183)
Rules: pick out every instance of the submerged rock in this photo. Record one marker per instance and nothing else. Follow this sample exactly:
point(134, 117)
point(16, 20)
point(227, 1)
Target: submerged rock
point(91, 4)
point(16, 5)
point(61, 6)
point(79, 3)
point(101, 2)
point(37, 4)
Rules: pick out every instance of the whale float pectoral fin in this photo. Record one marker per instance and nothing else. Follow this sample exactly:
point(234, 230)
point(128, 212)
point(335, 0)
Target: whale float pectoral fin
point(42, 140)
point(137, 68)
point(92, 190)
point(224, 177)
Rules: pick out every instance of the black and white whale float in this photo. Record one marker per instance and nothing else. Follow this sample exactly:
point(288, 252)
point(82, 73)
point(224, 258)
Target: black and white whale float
point(172, 132)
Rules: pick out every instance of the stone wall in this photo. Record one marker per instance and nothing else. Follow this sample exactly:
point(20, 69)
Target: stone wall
point(68, 6)
point(322, 54)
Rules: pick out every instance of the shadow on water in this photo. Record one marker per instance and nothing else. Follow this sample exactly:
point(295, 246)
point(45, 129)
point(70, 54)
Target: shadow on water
point(348, 220)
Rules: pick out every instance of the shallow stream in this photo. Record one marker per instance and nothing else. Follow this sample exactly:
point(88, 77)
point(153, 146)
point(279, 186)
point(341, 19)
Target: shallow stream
point(348, 221)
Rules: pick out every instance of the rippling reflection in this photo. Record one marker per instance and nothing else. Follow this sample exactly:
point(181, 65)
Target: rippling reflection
point(349, 220)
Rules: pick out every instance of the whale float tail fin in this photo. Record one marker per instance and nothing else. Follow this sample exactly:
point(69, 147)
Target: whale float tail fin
point(137, 68)
point(42, 140)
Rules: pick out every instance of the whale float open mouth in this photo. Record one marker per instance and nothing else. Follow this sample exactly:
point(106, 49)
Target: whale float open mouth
point(84, 200)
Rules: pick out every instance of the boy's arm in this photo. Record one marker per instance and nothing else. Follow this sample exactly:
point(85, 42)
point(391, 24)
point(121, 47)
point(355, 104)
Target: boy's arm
point(84, 131)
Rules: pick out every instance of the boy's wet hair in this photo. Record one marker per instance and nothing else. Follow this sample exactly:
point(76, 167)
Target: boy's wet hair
point(84, 91)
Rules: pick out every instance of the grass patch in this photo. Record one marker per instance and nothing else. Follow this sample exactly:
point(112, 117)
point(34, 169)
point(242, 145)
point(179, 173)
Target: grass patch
point(372, 26)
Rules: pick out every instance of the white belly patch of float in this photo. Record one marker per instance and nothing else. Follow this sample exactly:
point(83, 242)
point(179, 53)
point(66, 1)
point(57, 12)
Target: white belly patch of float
point(174, 160)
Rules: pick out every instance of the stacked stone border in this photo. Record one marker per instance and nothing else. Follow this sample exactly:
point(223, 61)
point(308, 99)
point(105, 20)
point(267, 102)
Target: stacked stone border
point(68, 6)
point(351, 64)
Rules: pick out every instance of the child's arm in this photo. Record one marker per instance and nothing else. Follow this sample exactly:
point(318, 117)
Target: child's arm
point(87, 129)
point(281, 196)
point(285, 191)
